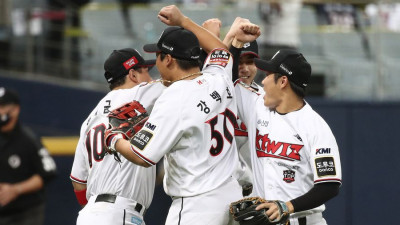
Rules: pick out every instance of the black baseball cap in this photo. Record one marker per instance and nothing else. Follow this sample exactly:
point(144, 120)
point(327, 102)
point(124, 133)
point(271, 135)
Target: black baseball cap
point(178, 42)
point(290, 63)
point(8, 96)
point(250, 48)
point(121, 61)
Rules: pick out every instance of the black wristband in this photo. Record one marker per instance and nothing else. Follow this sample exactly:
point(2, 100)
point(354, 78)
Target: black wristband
point(236, 58)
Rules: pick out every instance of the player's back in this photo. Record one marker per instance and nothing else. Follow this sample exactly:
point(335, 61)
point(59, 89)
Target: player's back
point(101, 171)
point(197, 136)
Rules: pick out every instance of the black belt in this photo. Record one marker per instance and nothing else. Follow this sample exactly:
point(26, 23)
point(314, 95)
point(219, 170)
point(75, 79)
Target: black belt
point(111, 199)
point(302, 221)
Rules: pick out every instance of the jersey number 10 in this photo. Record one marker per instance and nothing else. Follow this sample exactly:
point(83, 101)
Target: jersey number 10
point(95, 141)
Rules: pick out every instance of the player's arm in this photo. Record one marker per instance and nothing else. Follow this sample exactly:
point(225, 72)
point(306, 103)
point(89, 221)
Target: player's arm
point(172, 16)
point(241, 31)
point(317, 196)
point(124, 147)
point(80, 192)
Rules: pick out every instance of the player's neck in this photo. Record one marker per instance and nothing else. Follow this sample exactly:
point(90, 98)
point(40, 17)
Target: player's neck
point(290, 103)
point(126, 85)
point(184, 75)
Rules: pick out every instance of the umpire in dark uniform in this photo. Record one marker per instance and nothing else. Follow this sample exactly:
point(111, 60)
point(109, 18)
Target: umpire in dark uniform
point(25, 167)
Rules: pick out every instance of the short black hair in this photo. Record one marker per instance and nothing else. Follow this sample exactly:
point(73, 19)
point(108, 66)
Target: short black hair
point(117, 82)
point(299, 91)
point(182, 63)
point(121, 80)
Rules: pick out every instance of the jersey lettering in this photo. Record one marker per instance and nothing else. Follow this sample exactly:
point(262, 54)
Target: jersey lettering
point(203, 107)
point(107, 107)
point(215, 95)
point(266, 147)
point(323, 151)
point(216, 134)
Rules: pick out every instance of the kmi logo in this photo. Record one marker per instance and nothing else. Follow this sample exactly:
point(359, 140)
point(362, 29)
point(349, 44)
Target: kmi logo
point(266, 147)
point(150, 126)
point(323, 151)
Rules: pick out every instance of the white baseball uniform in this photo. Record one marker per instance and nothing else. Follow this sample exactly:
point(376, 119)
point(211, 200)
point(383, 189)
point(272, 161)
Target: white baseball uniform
point(244, 172)
point(289, 152)
point(133, 185)
point(192, 124)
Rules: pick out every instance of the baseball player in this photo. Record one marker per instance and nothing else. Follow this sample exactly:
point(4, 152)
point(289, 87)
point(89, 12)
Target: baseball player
point(114, 190)
point(245, 70)
point(192, 123)
point(294, 155)
point(246, 73)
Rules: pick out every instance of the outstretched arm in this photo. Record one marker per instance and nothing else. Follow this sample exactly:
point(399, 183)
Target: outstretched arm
point(172, 16)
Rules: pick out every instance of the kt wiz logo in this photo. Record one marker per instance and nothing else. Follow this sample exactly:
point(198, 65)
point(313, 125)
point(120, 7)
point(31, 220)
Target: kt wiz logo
point(269, 148)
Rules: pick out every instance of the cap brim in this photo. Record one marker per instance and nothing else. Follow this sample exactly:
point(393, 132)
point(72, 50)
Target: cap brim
point(151, 48)
point(265, 65)
point(243, 53)
point(148, 63)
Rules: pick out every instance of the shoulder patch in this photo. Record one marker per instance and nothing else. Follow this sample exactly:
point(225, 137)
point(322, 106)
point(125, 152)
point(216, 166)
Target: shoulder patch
point(141, 139)
point(325, 166)
point(219, 57)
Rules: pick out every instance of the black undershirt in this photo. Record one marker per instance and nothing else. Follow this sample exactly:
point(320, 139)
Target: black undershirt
point(317, 196)
point(236, 58)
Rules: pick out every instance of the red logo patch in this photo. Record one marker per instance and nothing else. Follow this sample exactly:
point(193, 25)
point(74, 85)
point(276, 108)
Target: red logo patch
point(288, 176)
point(269, 148)
point(130, 63)
point(219, 57)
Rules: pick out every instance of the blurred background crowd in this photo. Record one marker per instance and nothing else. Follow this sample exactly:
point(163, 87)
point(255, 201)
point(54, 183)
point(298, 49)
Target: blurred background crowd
point(350, 43)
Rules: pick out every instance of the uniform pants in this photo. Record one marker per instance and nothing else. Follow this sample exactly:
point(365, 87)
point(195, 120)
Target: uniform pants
point(313, 219)
point(211, 208)
point(31, 216)
point(120, 212)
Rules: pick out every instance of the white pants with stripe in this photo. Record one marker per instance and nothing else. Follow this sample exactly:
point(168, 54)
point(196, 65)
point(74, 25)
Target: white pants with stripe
point(312, 219)
point(121, 212)
point(211, 208)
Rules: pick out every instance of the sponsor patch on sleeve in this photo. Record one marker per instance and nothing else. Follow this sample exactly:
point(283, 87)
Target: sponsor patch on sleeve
point(219, 57)
point(325, 166)
point(141, 139)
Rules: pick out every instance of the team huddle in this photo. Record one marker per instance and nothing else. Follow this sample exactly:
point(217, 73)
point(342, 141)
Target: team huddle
point(233, 152)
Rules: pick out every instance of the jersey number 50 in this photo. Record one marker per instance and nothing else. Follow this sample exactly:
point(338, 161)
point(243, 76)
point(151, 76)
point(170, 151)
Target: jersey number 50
point(216, 134)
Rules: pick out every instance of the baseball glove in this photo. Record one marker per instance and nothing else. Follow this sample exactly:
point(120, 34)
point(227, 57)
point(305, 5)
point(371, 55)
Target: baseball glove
point(244, 211)
point(124, 122)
